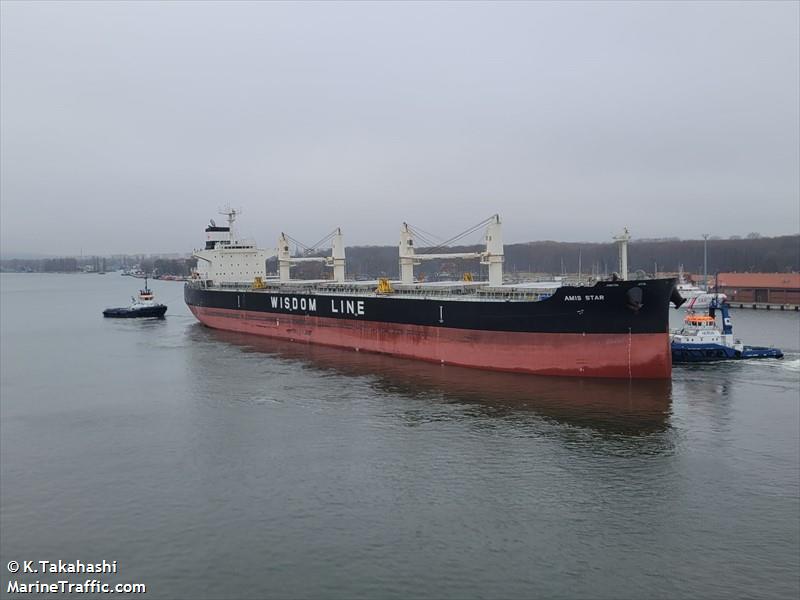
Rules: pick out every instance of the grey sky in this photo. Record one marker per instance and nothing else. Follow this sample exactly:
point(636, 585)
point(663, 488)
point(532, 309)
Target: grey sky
point(126, 125)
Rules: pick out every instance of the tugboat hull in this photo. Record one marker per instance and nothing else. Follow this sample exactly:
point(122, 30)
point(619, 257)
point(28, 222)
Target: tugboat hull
point(151, 312)
point(693, 353)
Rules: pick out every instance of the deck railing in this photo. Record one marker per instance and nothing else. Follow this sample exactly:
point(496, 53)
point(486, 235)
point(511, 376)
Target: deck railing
point(442, 293)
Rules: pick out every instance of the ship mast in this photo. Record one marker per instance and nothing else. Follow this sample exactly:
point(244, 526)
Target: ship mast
point(231, 214)
point(622, 244)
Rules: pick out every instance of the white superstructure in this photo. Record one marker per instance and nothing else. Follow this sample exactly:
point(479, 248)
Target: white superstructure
point(702, 329)
point(227, 260)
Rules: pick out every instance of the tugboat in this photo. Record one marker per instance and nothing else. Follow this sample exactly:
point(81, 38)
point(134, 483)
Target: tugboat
point(701, 341)
point(143, 306)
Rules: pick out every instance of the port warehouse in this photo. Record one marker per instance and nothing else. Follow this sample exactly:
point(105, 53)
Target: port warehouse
point(761, 288)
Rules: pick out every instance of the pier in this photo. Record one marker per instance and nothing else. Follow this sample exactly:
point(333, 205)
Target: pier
point(764, 306)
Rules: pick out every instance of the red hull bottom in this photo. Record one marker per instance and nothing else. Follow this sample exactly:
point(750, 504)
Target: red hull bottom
point(639, 356)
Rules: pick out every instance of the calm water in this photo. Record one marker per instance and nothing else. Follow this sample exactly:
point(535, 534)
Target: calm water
point(217, 465)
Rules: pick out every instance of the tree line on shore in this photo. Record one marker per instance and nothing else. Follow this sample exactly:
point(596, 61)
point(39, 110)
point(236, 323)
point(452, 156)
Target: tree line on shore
point(752, 254)
point(160, 266)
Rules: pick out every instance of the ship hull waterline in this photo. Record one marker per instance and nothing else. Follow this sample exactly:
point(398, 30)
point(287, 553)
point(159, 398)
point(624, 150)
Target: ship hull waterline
point(605, 355)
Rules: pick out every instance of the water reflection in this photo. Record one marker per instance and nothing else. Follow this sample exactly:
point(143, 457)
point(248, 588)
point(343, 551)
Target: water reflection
point(628, 408)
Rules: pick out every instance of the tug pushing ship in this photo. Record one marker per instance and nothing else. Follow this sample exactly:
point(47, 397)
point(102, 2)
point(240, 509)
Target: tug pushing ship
point(617, 328)
point(701, 341)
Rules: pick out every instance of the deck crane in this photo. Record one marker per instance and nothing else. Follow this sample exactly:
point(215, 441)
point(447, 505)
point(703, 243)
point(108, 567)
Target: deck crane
point(336, 260)
point(492, 256)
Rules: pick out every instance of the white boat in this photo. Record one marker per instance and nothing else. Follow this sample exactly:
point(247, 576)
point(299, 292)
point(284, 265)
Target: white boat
point(703, 301)
point(688, 290)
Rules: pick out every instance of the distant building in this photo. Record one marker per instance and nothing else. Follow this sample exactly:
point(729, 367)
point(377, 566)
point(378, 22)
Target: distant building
point(767, 288)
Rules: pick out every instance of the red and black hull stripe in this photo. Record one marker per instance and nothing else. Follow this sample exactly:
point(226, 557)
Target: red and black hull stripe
point(606, 330)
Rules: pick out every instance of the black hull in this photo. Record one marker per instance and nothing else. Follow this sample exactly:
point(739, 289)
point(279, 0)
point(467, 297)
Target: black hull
point(624, 307)
point(149, 312)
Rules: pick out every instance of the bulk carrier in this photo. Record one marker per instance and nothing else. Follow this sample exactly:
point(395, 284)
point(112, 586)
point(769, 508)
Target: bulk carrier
point(617, 328)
